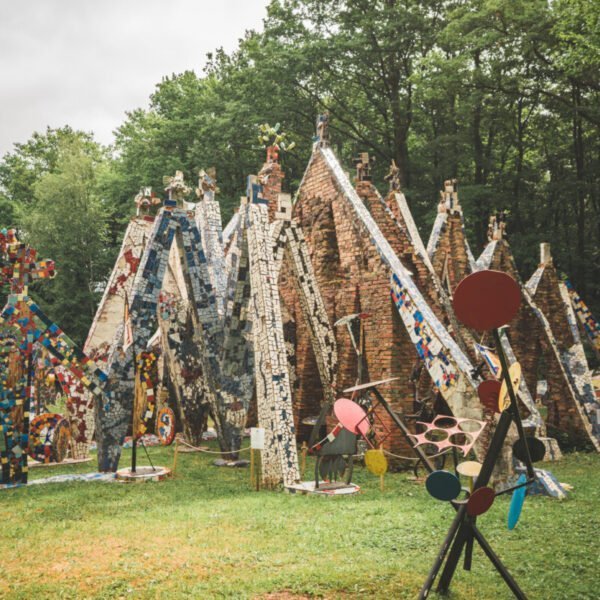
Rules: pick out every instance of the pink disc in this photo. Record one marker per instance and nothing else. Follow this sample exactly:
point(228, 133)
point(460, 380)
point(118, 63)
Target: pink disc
point(486, 300)
point(480, 501)
point(489, 394)
point(352, 416)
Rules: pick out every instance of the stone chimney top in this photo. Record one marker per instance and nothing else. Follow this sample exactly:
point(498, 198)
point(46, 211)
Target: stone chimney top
point(449, 197)
point(545, 254)
point(497, 226)
point(363, 163)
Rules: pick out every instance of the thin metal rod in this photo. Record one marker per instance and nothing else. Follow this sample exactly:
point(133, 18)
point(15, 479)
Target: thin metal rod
point(513, 402)
point(508, 578)
point(514, 487)
point(147, 455)
point(404, 429)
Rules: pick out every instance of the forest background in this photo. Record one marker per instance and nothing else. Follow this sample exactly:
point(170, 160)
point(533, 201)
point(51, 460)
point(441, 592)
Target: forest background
point(502, 94)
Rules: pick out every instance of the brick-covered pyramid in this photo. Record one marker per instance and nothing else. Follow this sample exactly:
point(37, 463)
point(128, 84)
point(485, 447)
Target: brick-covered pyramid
point(551, 295)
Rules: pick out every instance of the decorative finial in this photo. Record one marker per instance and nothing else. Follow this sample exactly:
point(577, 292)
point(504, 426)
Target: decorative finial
point(146, 200)
point(176, 188)
point(207, 184)
point(363, 164)
point(274, 141)
point(449, 197)
point(545, 254)
point(322, 137)
point(254, 190)
point(393, 177)
point(497, 226)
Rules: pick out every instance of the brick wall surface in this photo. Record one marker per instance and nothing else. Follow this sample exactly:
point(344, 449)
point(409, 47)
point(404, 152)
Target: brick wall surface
point(351, 278)
point(532, 346)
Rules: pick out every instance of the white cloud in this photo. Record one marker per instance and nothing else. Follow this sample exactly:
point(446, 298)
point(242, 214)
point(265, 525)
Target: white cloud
point(85, 62)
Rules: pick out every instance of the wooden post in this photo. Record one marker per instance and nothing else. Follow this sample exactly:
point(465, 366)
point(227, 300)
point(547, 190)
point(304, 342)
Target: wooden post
point(251, 467)
point(303, 465)
point(175, 455)
point(258, 475)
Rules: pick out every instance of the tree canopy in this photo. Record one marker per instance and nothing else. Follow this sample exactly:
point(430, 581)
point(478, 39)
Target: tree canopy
point(502, 94)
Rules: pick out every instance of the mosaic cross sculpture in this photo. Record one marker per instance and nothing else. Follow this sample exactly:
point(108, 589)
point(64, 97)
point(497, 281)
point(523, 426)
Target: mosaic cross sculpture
point(24, 325)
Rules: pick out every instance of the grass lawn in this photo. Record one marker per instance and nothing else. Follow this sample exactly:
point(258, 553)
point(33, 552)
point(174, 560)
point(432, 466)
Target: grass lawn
point(205, 534)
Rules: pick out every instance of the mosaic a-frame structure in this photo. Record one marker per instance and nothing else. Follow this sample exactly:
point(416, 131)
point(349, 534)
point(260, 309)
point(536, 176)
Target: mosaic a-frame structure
point(356, 267)
point(531, 336)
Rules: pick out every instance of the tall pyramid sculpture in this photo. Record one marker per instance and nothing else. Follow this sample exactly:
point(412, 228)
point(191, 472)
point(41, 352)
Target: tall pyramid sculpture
point(264, 237)
point(452, 260)
point(356, 267)
point(394, 218)
point(109, 314)
point(307, 329)
point(587, 322)
point(534, 344)
point(180, 348)
point(551, 295)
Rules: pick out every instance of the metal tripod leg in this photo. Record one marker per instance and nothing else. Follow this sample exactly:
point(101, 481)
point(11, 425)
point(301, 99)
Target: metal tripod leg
point(442, 553)
point(495, 560)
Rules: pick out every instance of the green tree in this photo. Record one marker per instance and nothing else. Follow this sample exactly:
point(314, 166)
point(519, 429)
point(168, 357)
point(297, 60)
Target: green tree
point(68, 223)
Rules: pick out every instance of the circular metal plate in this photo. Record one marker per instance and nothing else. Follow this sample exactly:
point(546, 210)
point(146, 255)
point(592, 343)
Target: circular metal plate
point(537, 450)
point(352, 416)
point(480, 501)
point(443, 485)
point(376, 461)
point(469, 468)
point(487, 300)
point(489, 394)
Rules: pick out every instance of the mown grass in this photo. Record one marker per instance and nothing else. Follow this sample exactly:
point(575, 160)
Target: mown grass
point(206, 534)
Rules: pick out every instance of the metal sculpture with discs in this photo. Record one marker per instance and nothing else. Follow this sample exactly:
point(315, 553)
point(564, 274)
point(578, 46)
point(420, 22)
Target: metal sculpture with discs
point(486, 300)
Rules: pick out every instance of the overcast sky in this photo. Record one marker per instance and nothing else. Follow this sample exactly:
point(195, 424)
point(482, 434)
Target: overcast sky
point(85, 62)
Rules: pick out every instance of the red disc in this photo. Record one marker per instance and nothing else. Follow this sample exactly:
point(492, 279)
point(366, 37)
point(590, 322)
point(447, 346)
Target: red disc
point(489, 393)
point(480, 501)
point(352, 416)
point(486, 300)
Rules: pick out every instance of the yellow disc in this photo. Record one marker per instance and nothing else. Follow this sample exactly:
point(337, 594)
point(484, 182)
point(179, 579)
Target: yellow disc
point(514, 372)
point(376, 462)
point(469, 468)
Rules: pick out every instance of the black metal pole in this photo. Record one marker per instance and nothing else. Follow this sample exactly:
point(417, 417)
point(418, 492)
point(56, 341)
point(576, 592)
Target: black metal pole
point(442, 553)
point(512, 584)
point(133, 431)
point(404, 429)
point(514, 407)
